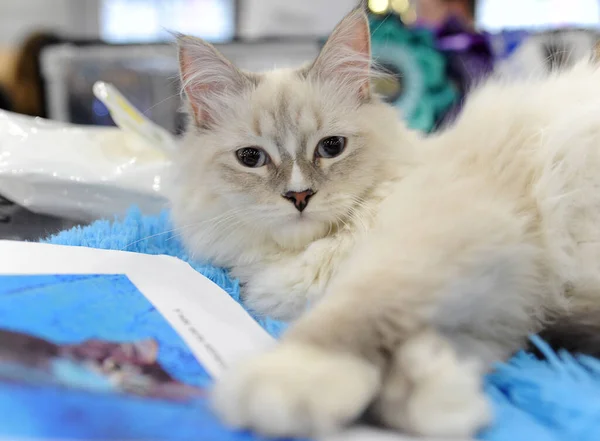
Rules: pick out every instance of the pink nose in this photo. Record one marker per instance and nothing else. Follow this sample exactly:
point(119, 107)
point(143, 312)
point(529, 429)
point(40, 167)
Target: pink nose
point(299, 198)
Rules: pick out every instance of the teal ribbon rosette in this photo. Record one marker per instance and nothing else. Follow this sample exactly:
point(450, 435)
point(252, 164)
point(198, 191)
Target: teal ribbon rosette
point(418, 85)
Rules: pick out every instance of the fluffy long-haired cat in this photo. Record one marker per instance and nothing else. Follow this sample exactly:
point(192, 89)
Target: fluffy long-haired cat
point(422, 260)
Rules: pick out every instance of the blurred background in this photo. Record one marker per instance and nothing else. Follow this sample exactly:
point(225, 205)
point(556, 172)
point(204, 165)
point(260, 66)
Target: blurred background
point(53, 51)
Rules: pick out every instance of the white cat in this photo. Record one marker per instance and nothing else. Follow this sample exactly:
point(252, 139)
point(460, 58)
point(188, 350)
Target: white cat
point(430, 258)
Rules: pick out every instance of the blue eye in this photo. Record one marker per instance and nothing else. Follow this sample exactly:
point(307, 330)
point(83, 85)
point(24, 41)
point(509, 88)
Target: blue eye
point(252, 157)
point(330, 147)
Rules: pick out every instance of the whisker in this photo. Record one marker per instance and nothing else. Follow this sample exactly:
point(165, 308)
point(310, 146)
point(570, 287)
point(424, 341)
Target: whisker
point(150, 237)
point(160, 102)
point(231, 212)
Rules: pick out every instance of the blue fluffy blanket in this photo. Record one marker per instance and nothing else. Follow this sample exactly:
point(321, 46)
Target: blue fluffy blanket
point(554, 400)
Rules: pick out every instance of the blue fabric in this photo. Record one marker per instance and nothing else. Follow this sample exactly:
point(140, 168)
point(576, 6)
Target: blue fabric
point(554, 400)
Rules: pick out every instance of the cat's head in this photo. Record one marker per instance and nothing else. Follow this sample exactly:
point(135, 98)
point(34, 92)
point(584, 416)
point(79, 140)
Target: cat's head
point(286, 156)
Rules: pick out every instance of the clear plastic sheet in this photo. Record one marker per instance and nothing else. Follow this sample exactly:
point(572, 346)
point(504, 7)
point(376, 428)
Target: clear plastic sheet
point(79, 172)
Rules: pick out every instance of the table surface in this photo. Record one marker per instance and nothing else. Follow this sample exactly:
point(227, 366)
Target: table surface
point(18, 223)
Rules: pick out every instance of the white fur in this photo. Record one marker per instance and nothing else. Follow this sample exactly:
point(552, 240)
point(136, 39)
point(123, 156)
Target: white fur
point(415, 260)
point(298, 390)
point(439, 394)
point(284, 258)
point(495, 233)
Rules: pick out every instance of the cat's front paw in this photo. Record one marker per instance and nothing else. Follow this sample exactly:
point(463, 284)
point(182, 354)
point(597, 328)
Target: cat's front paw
point(429, 391)
point(296, 390)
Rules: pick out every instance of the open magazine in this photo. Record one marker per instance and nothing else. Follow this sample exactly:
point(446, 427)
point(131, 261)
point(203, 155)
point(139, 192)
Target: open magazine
point(109, 345)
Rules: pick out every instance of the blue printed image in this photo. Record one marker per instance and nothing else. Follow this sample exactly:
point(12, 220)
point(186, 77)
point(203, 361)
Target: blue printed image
point(88, 357)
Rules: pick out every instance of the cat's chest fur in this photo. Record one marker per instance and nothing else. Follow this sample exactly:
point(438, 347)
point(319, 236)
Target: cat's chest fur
point(285, 282)
point(280, 275)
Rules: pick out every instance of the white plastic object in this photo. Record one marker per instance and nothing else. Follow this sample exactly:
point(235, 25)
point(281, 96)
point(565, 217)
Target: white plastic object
point(131, 120)
point(146, 74)
point(79, 172)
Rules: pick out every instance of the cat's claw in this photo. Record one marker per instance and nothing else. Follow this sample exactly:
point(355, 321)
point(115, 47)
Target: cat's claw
point(296, 390)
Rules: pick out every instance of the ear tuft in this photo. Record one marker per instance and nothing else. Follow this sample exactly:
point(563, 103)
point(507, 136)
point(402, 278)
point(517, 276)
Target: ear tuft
point(346, 57)
point(207, 78)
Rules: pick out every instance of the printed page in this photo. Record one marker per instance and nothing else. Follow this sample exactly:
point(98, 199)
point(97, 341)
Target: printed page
point(216, 328)
point(109, 345)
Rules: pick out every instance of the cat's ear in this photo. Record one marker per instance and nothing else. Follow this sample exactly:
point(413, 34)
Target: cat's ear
point(208, 78)
point(346, 57)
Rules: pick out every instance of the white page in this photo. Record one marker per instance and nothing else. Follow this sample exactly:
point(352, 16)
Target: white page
point(215, 327)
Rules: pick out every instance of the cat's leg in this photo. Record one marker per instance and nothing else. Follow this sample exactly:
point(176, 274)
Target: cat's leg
point(486, 350)
point(422, 373)
point(303, 389)
point(429, 389)
point(329, 368)
point(298, 389)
